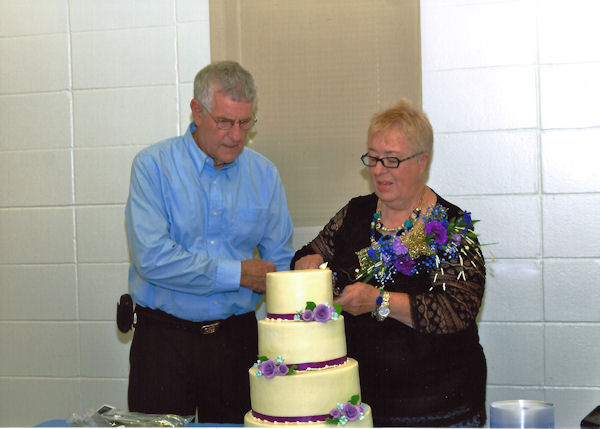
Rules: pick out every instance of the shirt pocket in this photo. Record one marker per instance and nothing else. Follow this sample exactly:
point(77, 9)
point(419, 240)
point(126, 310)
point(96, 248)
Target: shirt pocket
point(248, 226)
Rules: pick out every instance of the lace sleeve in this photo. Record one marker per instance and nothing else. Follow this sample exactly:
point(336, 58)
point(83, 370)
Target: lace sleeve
point(323, 243)
point(452, 303)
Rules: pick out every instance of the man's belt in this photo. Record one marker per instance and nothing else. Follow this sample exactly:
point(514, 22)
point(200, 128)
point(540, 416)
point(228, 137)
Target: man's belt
point(157, 317)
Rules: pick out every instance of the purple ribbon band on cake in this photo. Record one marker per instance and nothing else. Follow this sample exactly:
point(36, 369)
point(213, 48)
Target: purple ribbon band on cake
point(322, 364)
point(300, 419)
point(284, 316)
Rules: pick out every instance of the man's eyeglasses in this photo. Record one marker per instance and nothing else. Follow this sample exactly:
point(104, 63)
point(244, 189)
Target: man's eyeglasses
point(387, 162)
point(226, 124)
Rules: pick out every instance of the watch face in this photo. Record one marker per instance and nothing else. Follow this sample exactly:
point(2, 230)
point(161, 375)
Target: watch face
point(384, 311)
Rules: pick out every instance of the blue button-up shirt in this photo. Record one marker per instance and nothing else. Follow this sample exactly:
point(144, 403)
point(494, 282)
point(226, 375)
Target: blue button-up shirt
point(189, 227)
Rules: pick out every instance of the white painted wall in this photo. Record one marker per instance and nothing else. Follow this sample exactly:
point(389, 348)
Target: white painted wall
point(84, 85)
point(512, 90)
point(510, 86)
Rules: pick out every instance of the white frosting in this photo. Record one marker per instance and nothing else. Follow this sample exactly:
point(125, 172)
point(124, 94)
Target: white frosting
point(302, 342)
point(288, 291)
point(305, 393)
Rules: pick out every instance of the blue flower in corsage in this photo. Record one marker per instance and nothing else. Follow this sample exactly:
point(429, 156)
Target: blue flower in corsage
point(269, 368)
point(418, 247)
point(319, 313)
point(347, 412)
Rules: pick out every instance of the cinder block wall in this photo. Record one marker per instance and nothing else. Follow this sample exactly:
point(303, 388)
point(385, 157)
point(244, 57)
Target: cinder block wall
point(510, 86)
point(84, 86)
point(512, 91)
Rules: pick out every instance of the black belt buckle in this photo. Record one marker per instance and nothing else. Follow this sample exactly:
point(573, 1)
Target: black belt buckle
point(210, 328)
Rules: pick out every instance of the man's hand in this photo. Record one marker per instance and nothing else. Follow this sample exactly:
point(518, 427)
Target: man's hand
point(254, 274)
point(309, 262)
point(358, 298)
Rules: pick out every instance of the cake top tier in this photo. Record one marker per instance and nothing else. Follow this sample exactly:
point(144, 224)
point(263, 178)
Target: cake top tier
point(289, 291)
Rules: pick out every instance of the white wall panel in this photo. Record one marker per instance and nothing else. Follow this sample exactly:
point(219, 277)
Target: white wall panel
point(102, 175)
point(569, 160)
point(39, 178)
point(137, 116)
point(111, 59)
point(569, 228)
point(571, 290)
point(37, 63)
point(514, 352)
point(480, 99)
point(93, 15)
point(192, 10)
point(579, 345)
point(572, 404)
point(567, 31)
point(562, 88)
point(38, 292)
point(39, 349)
point(477, 34)
point(186, 93)
point(503, 234)
point(31, 236)
point(513, 291)
point(499, 155)
point(97, 391)
point(28, 401)
point(28, 17)
point(191, 40)
point(96, 338)
point(100, 287)
point(101, 234)
point(35, 121)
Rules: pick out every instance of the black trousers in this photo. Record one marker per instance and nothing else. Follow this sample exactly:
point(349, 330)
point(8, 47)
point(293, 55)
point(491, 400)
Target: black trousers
point(177, 369)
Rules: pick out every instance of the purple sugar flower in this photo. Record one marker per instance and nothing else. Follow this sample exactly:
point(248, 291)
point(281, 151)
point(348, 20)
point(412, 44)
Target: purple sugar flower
point(438, 230)
point(336, 413)
point(283, 369)
point(351, 411)
point(323, 313)
point(398, 247)
point(308, 315)
point(404, 264)
point(267, 368)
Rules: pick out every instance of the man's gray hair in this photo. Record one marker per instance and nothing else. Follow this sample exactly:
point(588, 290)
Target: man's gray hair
point(227, 77)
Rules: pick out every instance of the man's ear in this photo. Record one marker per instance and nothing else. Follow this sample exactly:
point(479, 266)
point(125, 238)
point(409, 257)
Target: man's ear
point(197, 111)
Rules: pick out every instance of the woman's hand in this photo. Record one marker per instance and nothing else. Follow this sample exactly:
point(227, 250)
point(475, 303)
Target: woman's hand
point(309, 262)
point(358, 298)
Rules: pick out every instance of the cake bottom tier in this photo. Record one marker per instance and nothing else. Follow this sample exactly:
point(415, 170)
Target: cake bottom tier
point(303, 395)
point(366, 422)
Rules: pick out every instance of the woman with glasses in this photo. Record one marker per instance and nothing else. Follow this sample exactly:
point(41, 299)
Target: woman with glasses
point(409, 275)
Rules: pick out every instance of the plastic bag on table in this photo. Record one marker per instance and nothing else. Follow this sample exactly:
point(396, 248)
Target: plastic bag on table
point(109, 416)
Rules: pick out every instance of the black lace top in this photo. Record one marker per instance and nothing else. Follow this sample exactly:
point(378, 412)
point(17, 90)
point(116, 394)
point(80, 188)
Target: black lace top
point(433, 374)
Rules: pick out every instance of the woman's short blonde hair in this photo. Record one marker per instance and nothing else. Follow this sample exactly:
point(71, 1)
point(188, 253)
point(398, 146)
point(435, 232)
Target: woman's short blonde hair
point(413, 123)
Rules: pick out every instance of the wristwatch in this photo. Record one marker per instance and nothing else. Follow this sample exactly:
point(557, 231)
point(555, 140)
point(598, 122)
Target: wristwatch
point(383, 309)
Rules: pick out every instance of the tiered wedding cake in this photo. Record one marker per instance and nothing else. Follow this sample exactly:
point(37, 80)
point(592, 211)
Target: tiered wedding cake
point(303, 375)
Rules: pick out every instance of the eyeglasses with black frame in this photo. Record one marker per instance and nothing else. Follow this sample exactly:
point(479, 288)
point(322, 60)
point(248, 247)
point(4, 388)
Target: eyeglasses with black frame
point(226, 124)
point(387, 162)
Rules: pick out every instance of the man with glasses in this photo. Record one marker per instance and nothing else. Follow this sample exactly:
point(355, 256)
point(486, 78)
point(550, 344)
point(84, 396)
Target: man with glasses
point(199, 205)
